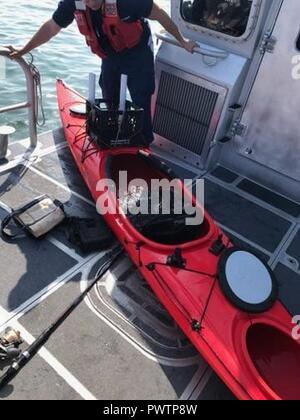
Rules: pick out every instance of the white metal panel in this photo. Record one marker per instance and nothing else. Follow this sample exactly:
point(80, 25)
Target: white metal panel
point(228, 73)
point(224, 71)
point(271, 116)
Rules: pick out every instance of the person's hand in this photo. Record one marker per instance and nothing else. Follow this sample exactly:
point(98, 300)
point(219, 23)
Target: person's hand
point(189, 46)
point(15, 53)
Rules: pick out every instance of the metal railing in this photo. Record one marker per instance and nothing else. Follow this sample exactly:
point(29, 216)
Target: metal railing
point(217, 54)
point(32, 101)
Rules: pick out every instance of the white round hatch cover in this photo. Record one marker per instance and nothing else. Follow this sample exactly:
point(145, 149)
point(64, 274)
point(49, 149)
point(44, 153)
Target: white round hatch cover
point(78, 109)
point(247, 281)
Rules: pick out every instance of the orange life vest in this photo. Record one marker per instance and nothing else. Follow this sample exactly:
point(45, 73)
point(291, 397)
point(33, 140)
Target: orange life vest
point(121, 35)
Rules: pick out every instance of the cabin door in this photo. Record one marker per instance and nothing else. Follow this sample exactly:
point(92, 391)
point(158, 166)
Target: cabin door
point(271, 135)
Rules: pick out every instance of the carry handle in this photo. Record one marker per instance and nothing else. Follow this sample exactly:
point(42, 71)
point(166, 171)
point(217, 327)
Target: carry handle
point(217, 54)
point(5, 222)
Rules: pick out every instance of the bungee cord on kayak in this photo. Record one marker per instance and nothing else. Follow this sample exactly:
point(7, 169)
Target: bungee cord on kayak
point(196, 324)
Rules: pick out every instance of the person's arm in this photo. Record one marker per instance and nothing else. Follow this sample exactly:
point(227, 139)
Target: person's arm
point(167, 23)
point(43, 35)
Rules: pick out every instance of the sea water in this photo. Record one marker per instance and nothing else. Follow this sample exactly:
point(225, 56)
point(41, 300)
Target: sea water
point(65, 57)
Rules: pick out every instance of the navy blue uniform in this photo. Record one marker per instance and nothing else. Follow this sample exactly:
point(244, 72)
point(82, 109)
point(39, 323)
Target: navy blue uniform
point(137, 63)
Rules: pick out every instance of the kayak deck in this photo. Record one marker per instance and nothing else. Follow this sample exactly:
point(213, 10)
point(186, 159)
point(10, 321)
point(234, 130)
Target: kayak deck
point(112, 335)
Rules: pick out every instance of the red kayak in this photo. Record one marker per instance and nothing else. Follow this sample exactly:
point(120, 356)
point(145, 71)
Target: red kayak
point(193, 270)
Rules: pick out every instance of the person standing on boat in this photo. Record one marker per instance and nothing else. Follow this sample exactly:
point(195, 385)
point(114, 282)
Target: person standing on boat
point(116, 31)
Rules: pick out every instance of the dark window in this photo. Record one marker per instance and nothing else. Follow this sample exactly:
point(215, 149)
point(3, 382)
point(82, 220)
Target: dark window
point(227, 16)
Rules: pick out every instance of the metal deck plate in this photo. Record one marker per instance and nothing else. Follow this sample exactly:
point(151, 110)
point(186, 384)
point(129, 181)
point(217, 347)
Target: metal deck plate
point(224, 174)
point(294, 248)
point(289, 283)
point(276, 200)
point(245, 217)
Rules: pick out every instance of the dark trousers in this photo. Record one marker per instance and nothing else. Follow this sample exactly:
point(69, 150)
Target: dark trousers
point(138, 65)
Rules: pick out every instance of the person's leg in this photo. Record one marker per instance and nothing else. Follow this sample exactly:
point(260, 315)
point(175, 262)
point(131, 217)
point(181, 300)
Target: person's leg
point(141, 85)
point(110, 80)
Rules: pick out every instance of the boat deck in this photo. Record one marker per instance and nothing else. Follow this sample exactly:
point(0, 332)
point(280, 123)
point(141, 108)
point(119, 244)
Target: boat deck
point(120, 343)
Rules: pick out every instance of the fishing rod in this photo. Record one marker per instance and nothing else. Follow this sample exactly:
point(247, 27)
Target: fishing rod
point(21, 361)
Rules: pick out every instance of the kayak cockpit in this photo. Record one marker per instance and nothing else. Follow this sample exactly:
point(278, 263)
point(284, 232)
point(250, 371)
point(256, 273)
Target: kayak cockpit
point(276, 356)
point(158, 217)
